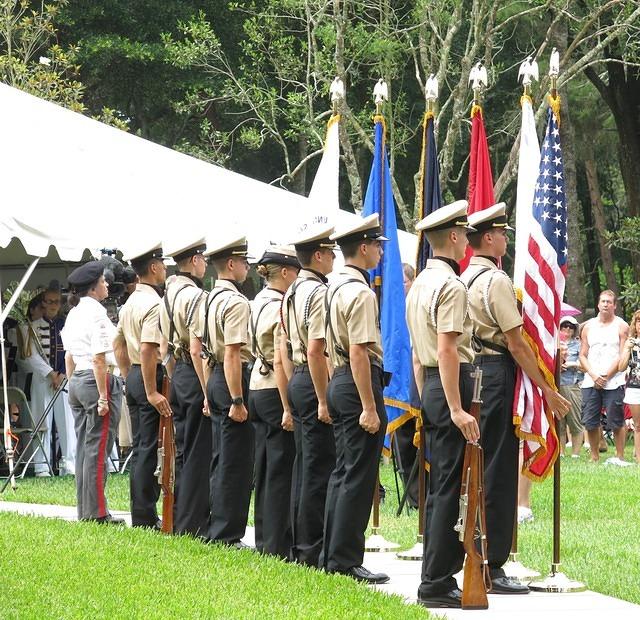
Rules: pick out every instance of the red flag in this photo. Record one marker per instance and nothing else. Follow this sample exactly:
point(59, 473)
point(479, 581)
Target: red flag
point(480, 193)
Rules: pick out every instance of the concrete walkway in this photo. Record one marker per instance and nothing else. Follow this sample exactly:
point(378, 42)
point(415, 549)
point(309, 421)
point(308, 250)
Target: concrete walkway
point(405, 578)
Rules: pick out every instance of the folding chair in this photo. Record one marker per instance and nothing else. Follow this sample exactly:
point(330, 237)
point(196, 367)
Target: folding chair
point(26, 428)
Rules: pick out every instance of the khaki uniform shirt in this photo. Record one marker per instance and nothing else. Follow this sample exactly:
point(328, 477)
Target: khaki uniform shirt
point(437, 304)
point(184, 297)
point(227, 315)
point(265, 336)
point(492, 303)
point(354, 317)
point(139, 321)
point(303, 318)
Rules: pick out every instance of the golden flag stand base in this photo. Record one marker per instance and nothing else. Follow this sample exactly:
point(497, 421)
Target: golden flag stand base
point(517, 570)
point(557, 582)
point(376, 543)
point(415, 553)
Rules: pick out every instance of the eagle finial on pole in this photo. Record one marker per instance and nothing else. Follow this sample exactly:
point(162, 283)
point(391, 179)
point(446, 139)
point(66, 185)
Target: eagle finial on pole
point(554, 70)
point(431, 91)
point(337, 92)
point(478, 80)
point(380, 94)
point(529, 73)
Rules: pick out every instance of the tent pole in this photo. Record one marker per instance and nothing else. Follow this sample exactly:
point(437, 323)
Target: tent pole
point(4, 313)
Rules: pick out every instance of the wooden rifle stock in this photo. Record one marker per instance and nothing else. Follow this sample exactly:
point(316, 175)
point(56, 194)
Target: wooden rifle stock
point(471, 519)
point(165, 472)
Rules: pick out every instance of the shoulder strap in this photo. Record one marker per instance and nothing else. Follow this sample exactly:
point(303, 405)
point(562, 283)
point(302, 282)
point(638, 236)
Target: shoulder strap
point(291, 308)
point(329, 324)
point(206, 341)
point(170, 312)
point(477, 343)
point(476, 275)
point(257, 350)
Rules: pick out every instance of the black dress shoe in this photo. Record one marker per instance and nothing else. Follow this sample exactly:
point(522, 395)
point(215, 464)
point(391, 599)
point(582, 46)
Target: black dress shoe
point(508, 585)
point(452, 599)
point(360, 573)
point(108, 520)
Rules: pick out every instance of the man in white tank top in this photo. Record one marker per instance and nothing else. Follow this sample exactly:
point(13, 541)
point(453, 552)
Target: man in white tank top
point(602, 342)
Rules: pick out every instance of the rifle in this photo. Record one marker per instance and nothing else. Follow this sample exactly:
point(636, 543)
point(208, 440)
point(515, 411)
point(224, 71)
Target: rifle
point(471, 519)
point(165, 471)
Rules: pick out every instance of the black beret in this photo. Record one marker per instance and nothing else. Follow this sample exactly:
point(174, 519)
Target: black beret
point(271, 257)
point(85, 275)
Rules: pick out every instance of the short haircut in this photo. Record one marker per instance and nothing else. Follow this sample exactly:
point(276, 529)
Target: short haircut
point(349, 250)
point(438, 238)
point(475, 239)
point(142, 267)
point(306, 256)
point(610, 293)
point(183, 264)
point(408, 271)
point(220, 264)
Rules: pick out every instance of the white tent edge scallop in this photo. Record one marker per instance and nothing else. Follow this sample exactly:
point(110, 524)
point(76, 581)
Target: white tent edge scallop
point(125, 188)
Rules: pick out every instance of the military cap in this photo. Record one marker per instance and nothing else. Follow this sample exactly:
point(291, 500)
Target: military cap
point(280, 255)
point(449, 216)
point(146, 253)
point(228, 248)
point(85, 275)
point(367, 228)
point(315, 240)
point(490, 218)
point(187, 250)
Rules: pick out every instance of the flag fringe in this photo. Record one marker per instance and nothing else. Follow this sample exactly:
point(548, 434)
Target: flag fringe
point(554, 104)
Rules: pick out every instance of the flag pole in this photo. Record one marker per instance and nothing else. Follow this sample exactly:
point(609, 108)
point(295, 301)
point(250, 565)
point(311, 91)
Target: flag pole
point(513, 567)
point(416, 552)
point(377, 543)
point(557, 581)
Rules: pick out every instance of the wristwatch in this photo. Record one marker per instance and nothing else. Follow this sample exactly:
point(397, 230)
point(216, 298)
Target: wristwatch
point(238, 400)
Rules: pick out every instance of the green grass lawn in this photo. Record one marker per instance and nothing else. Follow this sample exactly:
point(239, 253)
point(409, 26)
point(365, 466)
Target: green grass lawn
point(600, 509)
point(54, 569)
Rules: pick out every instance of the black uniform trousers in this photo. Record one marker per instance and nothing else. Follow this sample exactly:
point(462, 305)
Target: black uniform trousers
point(500, 446)
point(145, 421)
point(314, 461)
point(193, 452)
point(443, 551)
point(352, 482)
point(275, 452)
point(231, 472)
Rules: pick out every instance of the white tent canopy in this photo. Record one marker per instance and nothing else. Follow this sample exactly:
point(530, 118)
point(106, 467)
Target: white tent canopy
point(74, 183)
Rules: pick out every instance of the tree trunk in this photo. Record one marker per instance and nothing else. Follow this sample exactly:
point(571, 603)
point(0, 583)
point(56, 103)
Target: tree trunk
point(575, 293)
point(591, 254)
point(591, 171)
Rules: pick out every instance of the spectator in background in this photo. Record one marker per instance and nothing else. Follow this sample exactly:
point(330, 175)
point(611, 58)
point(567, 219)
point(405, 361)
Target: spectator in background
point(630, 360)
point(571, 376)
point(602, 344)
point(43, 357)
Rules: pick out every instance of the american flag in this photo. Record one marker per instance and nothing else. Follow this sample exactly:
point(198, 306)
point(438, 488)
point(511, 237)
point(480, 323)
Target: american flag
point(544, 281)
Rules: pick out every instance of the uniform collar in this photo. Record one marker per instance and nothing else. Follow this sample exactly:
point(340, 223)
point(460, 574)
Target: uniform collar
point(447, 261)
point(275, 291)
point(197, 281)
point(144, 287)
point(230, 285)
point(363, 273)
point(485, 261)
point(308, 274)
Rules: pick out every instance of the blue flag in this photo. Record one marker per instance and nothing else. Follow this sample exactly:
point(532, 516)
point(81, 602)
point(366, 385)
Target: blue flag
point(430, 197)
point(388, 281)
